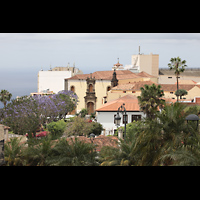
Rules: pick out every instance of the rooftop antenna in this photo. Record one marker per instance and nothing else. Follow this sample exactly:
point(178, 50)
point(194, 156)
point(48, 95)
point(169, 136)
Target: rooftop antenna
point(41, 69)
point(50, 68)
point(139, 50)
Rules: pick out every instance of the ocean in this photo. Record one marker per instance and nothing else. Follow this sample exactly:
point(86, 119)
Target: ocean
point(18, 83)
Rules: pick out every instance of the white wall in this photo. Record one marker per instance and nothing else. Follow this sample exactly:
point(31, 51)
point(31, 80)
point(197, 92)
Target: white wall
point(107, 119)
point(52, 80)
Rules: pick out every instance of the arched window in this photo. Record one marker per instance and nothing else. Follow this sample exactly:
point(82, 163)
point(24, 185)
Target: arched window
point(90, 88)
point(108, 88)
point(72, 89)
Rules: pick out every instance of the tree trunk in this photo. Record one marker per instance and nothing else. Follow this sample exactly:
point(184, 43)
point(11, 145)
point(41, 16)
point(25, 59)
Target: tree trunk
point(177, 85)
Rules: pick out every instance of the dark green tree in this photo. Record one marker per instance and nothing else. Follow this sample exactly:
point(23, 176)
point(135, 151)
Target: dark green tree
point(181, 92)
point(151, 100)
point(5, 96)
point(178, 66)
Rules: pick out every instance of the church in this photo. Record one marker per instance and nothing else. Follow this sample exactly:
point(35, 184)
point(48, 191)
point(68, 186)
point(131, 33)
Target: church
point(92, 89)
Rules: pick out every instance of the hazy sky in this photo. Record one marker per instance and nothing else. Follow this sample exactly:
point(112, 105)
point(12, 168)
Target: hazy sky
point(22, 55)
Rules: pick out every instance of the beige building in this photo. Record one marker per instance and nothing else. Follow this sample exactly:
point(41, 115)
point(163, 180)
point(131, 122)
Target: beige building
point(147, 63)
point(92, 89)
point(167, 76)
point(169, 90)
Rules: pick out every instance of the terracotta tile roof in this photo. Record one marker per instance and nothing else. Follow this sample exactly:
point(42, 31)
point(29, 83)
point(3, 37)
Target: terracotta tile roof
point(186, 82)
point(173, 87)
point(144, 74)
point(131, 104)
point(134, 86)
point(5, 127)
point(100, 141)
point(107, 75)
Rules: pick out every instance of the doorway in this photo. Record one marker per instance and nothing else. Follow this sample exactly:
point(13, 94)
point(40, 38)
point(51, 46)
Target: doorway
point(90, 107)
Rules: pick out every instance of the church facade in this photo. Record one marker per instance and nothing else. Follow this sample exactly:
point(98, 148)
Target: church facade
point(92, 89)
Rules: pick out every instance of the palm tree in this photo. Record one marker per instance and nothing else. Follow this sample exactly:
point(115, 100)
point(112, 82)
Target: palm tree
point(5, 96)
point(73, 153)
point(178, 66)
point(150, 99)
point(13, 152)
point(37, 152)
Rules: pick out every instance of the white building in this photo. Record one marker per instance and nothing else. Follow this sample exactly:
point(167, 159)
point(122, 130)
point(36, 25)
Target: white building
point(106, 113)
point(52, 80)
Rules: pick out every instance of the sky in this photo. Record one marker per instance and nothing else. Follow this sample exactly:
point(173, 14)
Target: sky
point(22, 55)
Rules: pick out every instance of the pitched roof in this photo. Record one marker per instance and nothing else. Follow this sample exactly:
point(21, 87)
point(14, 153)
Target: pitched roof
point(133, 86)
point(144, 74)
point(107, 75)
point(131, 104)
point(186, 82)
point(173, 87)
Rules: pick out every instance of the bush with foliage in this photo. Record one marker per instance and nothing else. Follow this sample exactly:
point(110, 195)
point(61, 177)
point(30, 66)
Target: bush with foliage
point(78, 127)
point(96, 128)
point(56, 128)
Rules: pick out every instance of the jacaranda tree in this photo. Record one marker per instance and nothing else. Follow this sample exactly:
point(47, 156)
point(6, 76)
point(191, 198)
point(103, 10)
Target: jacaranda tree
point(25, 114)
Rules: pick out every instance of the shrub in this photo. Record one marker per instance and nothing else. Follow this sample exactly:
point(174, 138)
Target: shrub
point(78, 127)
point(96, 128)
point(56, 128)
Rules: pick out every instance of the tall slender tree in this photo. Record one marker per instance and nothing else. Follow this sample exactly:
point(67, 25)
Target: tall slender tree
point(178, 66)
point(5, 96)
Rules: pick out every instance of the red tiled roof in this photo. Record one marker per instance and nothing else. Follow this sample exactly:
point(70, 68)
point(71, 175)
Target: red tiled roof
point(5, 127)
point(100, 141)
point(133, 86)
point(173, 87)
point(144, 74)
point(107, 75)
point(131, 104)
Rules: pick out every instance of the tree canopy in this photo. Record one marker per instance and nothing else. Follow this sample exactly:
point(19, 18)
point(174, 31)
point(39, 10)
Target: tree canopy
point(151, 100)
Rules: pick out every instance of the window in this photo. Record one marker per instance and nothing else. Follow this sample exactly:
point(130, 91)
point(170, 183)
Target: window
point(171, 92)
point(125, 119)
point(136, 118)
point(72, 89)
point(108, 88)
point(170, 77)
point(90, 88)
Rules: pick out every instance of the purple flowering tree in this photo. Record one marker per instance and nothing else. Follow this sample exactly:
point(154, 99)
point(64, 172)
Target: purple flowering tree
point(27, 113)
point(22, 116)
point(65, 101)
